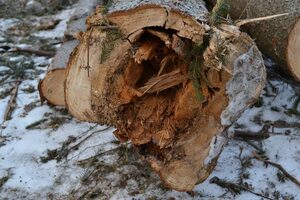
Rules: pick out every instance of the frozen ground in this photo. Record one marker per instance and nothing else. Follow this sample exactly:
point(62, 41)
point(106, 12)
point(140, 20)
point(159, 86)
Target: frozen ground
point(46, 154)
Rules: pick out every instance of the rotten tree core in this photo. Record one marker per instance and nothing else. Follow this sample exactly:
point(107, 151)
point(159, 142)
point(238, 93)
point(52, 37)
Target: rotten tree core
point(169, 84)
point(155, 77)
point(159, 107)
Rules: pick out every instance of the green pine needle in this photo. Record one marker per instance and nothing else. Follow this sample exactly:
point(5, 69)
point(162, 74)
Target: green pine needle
point(219, 12)
point(109, 43)
point(106, 5)
point(195, 60)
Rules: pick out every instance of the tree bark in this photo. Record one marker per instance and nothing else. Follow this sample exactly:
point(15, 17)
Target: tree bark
point(279, 38)
point(167, 81)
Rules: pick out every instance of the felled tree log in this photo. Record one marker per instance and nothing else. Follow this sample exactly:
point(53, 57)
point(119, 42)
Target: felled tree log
point(279, 37)
point(81, 66)
point(167, 81)
point(51, 88)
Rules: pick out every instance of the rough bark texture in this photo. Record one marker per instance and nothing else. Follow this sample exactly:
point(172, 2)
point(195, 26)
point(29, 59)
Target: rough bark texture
point(183, 16)
point(77, 22)
point(280, 37)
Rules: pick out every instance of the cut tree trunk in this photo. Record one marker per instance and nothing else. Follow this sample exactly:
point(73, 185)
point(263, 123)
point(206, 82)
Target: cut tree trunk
point(81, 66)
point(167, 81)
point(279, 38)
point(51, 88)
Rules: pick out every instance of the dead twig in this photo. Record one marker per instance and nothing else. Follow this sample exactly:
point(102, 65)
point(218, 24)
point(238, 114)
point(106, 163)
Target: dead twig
point(86, 138)
point(88, 130)
point(8, 82)
point(88, 67)
point(4, 79)
point(242, 168)
point(12, 103)
point(36, 52)
point(85, 149)
point(258, 148)
point(66, 148)
point(235, 188)
point(64, 151)
point(35, 124)
point(107, 27)
point(244, 10)
point(248, 135)
point(278, 166)
point(240, 23)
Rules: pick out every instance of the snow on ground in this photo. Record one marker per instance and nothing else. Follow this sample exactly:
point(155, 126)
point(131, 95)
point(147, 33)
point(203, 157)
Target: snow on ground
point(46, 154)
point(59, 29)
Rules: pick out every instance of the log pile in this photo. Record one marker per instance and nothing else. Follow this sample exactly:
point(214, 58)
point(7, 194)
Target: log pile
point(166, 79)
point(279, 37)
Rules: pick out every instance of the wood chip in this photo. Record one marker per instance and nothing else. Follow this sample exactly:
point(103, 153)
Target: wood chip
point(163, 82)
point(12, 102)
